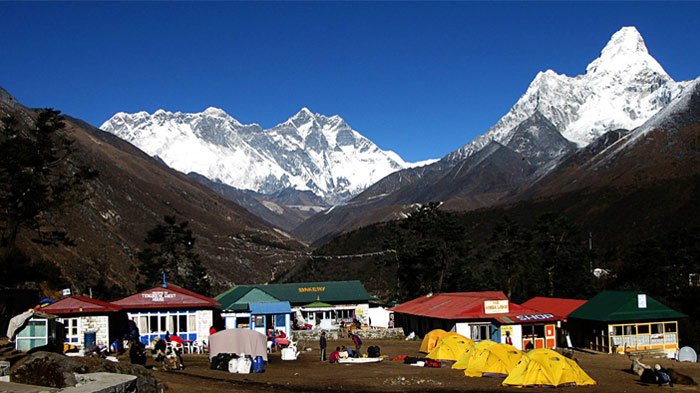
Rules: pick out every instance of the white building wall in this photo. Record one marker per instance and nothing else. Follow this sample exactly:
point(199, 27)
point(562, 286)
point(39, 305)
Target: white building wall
point(463, 329)
point(205, 320)
point(379, 316)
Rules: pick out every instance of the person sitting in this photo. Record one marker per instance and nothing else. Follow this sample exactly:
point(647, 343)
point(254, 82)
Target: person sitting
point(335, 355)
point(159, 349)
point(662, 377)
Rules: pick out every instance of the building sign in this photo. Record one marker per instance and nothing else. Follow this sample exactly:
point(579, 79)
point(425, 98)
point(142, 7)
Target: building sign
point(159, 296)
point(642, 300)
point(496, 306)
point(311, 289)
point(534, 317)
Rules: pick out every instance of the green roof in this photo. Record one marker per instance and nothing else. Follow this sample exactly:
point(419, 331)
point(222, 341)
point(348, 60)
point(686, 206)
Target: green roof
point(623, 306)
point(301, 293)
point(317, 305)
point(238, 298)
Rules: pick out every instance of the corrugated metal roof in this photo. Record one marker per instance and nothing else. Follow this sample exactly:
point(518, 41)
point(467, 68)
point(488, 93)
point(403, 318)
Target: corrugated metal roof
point(469, 306)
point(560, 307)
point(303, 293)
point(270, 308)
point(166, 298)
point(80, 305)
point(622, 306)
point(454, 305)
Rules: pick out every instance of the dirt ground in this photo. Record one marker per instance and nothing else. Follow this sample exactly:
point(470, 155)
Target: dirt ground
point(309, 374)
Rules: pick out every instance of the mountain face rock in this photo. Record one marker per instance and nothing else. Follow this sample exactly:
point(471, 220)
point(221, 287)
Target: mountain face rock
point(622, 88)
point(129, 197)
point(556, 117)
point(308, 152)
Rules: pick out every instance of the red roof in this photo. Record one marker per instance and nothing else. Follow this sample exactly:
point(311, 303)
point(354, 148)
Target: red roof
point(80, 305)
point(448, 305)
point(166, 298)
point(470, 306)
point(557, 306)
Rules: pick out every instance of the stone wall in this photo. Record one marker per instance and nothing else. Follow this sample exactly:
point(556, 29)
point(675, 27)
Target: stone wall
point(365, 334)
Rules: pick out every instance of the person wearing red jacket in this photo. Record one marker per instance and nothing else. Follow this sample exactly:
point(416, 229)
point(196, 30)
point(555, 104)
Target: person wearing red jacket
point(335, 355)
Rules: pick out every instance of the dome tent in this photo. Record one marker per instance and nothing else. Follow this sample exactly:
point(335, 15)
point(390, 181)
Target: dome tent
point(431, 340)
point(451, 347)
point(494, 360)
point(544, 367)
point(463, 361)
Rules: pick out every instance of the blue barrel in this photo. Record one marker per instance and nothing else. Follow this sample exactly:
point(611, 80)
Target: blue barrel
point(258, 365)
point(90, 339)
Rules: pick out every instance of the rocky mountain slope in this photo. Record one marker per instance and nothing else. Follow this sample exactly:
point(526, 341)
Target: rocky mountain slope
point(556, 116)
point(131, 195)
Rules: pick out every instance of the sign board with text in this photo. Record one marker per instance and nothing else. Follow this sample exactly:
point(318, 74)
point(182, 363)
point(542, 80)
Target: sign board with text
point(496, 306)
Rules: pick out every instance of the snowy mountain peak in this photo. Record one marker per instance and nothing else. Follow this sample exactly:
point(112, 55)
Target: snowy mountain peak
point(308, 152)
point(626, 49)
point(626, 40)
point(622, 88)
point(213, 111)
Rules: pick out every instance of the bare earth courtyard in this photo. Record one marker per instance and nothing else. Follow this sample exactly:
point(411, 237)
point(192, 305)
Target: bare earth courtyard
point(309, 374)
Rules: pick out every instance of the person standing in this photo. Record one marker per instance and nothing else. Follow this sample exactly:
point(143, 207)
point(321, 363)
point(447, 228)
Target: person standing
point(323, 344)
point(509, 340)
point(358, 344)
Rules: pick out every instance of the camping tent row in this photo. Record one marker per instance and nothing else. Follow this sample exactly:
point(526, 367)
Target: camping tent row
point(612, 321)
point(539, 367)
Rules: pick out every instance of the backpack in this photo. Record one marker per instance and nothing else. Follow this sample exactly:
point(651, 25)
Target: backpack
point(357, 340)
point(432, 363)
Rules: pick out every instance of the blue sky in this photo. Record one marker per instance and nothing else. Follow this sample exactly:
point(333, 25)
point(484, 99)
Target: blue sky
point(421, 79)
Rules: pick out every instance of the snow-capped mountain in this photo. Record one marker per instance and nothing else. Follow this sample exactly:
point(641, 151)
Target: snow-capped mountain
point(622, 88)
point(557, 117)
point(307, 152)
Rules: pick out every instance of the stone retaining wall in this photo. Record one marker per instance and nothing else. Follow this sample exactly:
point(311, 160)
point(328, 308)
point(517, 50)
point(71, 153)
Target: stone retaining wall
point(368, 334)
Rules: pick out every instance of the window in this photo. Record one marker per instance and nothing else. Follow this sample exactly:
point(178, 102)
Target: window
point(479, 332)
point(657, 328)
point(182, 323)
point(642, 329)
point(670, 327)
point(259, 321)
point(71, 327)
point(191, 324)
point(630, 330)
point(617, 330)
point(33, 335)
point(153, 324)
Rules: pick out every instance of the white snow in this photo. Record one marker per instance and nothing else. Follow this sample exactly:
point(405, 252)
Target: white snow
point(622, 88)
point(307, 152)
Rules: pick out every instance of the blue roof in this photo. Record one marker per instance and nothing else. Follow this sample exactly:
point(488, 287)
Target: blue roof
point(270, 308)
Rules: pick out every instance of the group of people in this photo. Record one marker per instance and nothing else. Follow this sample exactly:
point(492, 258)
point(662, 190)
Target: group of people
point(278, 338)
point(341, 352)
point(168, 355)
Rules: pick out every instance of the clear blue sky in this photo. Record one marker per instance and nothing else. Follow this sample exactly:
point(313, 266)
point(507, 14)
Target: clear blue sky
point(421, 79)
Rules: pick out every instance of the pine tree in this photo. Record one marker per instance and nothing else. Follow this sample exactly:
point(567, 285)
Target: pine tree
point(173, 256)
point(38, 176)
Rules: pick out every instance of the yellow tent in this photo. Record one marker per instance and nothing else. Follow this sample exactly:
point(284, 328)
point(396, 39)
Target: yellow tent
point(451, 347)
point(431, 339)
point(463, 361)
point(494, 360)
point(544, 367)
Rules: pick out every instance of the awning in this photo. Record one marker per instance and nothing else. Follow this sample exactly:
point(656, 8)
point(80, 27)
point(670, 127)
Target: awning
point(270, 308)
